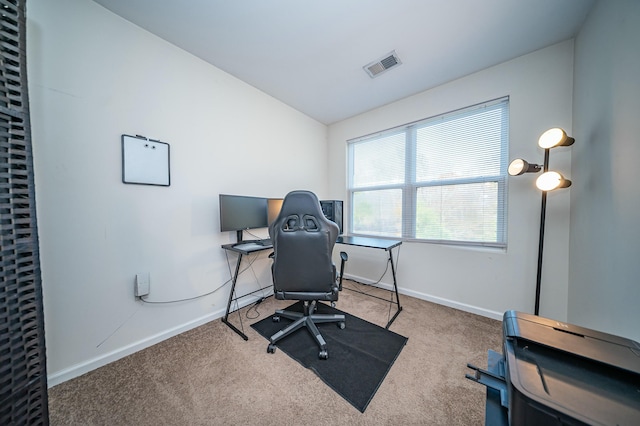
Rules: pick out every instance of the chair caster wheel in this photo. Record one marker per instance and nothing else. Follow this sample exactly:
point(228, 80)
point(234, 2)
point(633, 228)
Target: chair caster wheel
point(271, 348)
point(276, 318)
point(333, 304)
point(341, 325)
point(323, 355)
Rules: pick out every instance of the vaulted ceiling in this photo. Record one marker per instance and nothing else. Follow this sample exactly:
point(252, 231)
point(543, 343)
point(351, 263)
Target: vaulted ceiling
point(311, 54)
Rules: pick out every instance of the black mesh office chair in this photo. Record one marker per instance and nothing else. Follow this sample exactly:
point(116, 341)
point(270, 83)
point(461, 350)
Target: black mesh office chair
point(303, 269)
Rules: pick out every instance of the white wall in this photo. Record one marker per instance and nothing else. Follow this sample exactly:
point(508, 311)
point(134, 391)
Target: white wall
point(93, 77)
point(604, 289)
point(486, 281)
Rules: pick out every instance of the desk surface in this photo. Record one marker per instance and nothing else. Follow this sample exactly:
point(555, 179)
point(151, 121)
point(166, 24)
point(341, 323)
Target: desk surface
point(256, 246)
point(378, 243)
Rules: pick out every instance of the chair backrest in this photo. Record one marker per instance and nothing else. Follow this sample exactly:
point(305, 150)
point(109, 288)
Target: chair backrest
point(303, 241)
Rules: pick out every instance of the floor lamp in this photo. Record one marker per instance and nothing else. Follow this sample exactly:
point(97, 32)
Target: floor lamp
point(547, 181)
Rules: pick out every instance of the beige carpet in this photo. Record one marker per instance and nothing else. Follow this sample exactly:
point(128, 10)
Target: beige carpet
point(211, 376)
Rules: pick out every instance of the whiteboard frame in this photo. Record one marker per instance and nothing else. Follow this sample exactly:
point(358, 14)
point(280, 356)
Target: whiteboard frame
point(145, 161)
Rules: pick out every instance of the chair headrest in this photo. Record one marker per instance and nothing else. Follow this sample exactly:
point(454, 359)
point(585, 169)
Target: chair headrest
point(301, 210)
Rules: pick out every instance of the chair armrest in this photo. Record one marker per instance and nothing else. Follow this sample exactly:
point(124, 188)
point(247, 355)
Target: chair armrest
point(344, 258)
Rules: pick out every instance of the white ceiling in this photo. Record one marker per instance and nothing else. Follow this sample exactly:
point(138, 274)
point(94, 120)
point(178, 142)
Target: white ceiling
point(311, 54)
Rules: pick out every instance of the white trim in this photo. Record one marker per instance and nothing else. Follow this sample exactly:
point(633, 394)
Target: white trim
point(434, 299)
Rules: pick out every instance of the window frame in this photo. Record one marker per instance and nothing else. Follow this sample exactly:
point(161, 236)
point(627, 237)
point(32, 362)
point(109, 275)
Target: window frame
point(410, 187)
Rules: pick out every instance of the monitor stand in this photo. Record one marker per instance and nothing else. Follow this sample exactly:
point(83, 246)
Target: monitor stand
point(239, 235)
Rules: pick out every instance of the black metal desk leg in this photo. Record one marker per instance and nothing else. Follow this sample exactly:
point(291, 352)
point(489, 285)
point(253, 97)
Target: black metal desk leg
point(225, 319)
point(395, 288)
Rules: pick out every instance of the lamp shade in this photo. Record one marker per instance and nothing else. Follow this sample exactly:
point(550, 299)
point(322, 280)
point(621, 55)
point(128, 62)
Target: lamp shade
point(552, 180)
point(555, 137)
point(520, 166)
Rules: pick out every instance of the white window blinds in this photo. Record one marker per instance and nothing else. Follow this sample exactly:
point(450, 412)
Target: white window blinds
point(441, 179)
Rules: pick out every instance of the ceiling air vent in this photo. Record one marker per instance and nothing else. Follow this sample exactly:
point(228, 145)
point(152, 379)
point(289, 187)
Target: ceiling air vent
point(383, 64)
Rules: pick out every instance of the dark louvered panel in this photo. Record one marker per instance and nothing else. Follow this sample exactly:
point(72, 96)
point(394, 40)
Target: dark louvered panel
point(23, 385)
point(11, 75)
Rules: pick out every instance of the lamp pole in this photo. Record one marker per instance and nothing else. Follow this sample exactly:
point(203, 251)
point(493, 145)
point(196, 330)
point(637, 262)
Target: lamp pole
point(548, 181)
point(543, 212)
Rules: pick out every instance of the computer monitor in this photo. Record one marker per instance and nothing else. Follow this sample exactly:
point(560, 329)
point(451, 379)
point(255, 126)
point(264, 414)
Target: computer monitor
point(239, 212)
point(273, 209)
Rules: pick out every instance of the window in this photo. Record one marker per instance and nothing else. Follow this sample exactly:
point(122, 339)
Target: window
point(441, 179)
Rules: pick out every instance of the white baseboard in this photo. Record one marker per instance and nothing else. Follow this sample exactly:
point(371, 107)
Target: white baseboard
point(79, 369)
point(434, 299)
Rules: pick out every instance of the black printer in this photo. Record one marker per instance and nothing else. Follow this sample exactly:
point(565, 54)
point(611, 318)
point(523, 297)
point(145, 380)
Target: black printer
point(552, 373)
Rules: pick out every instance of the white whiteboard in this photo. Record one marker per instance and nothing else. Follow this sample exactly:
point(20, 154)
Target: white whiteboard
point(145, 161)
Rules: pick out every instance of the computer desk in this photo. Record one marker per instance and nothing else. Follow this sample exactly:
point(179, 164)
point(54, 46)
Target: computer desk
point(381, 244)
point(375, 243)
point(255, 248)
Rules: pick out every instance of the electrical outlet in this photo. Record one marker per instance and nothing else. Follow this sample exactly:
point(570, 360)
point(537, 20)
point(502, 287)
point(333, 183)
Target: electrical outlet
point(142, 285)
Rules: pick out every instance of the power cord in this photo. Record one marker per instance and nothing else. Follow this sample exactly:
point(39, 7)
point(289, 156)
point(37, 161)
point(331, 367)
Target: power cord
point(142, 298)
point(254, 307)
point(249, 265)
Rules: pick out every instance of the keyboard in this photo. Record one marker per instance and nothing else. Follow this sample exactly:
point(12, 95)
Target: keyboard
point(248, 246)
point(253, 245)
